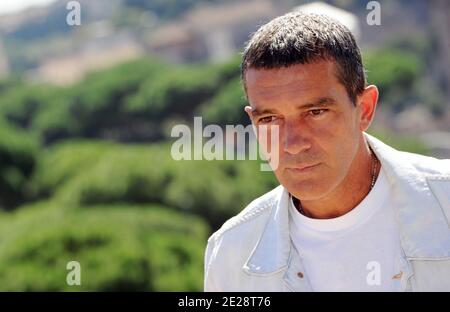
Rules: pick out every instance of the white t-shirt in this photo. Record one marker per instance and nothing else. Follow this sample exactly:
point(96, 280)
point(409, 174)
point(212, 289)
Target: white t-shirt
point(359, 251)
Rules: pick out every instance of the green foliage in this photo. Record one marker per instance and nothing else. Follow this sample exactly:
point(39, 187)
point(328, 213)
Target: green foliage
point(64, 161)
point(227, 107)
point(107, 88)
point(96, 104)
point(129, 102)
point(18, 150)
point(90, 108)
point(392, 68)
point(176, 93)
point(394, 72)
point(399, 142)
point(55, 122)
point(229, 69)
point(20, 103)
point(87, 173)
point(119, 248)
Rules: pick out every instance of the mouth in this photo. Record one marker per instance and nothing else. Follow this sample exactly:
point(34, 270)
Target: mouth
point(303, 168)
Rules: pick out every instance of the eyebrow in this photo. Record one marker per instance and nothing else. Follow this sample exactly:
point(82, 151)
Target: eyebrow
point(320, 102)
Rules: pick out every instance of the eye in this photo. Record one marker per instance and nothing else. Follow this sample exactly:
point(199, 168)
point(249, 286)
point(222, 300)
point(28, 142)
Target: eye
point(267, 119)
point(317, 112)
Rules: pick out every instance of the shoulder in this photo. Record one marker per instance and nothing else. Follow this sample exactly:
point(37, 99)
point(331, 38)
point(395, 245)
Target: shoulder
point(409, 163)
point(229, 247)
point(238, 236)
point(250, 217)
point(429, 166)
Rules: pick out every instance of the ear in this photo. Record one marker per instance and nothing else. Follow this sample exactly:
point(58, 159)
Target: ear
point(248, 110)
point(367, 103)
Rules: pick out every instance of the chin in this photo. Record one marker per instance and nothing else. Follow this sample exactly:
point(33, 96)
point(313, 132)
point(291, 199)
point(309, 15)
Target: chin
point(308, 189)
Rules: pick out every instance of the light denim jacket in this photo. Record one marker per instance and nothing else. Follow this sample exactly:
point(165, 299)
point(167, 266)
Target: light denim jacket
point(253, 250)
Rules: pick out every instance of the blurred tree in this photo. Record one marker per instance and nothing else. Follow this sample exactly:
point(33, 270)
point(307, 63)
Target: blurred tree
point(130, 102)
point(395, 72)
point(87, 173)
point(18, 151)
point(227, 106)
point(119, 248)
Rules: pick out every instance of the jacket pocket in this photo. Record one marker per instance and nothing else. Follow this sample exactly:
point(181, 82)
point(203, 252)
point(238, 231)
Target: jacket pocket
point(431, 275)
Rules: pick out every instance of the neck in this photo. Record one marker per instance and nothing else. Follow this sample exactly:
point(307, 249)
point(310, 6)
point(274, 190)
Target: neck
point(349, 193)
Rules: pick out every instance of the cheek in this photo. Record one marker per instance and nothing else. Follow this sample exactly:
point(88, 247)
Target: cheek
point(337, 140)
point(343, 151)
point(341, 126)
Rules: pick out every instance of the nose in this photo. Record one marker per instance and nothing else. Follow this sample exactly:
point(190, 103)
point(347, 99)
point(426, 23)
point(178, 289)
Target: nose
point(295, 137)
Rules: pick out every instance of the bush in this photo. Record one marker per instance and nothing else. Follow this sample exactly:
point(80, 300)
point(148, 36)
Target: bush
point(402, 143)
point(395, 73)
point(98, 101)
point(82, 173)
point(20, 103)
point(227, 107)
point(93, 107)
point(18, 150)
point(119, 248)
point(62, 162)
point(130, 102)
point(174, 93)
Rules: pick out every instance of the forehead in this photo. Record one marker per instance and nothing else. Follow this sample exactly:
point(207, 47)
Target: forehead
point(318, 77)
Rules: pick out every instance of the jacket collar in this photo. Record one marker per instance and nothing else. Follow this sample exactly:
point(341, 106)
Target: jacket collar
point(424, 233)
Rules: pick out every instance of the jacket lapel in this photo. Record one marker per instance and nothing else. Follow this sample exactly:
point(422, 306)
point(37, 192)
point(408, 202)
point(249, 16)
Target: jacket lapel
point(272, 251)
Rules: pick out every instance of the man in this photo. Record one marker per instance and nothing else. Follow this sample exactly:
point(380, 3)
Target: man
point(351, 213)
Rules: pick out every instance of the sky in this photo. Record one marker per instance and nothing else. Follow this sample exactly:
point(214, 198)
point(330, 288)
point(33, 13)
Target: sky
point(11, 6)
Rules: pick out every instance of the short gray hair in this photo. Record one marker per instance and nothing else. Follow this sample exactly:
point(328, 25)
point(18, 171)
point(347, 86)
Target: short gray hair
point(302, 38)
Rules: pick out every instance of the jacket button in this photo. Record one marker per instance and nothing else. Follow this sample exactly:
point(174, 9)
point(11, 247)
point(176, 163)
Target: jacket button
point(300, 274)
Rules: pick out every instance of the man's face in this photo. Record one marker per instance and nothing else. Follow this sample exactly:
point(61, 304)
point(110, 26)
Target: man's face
point(319, 127)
